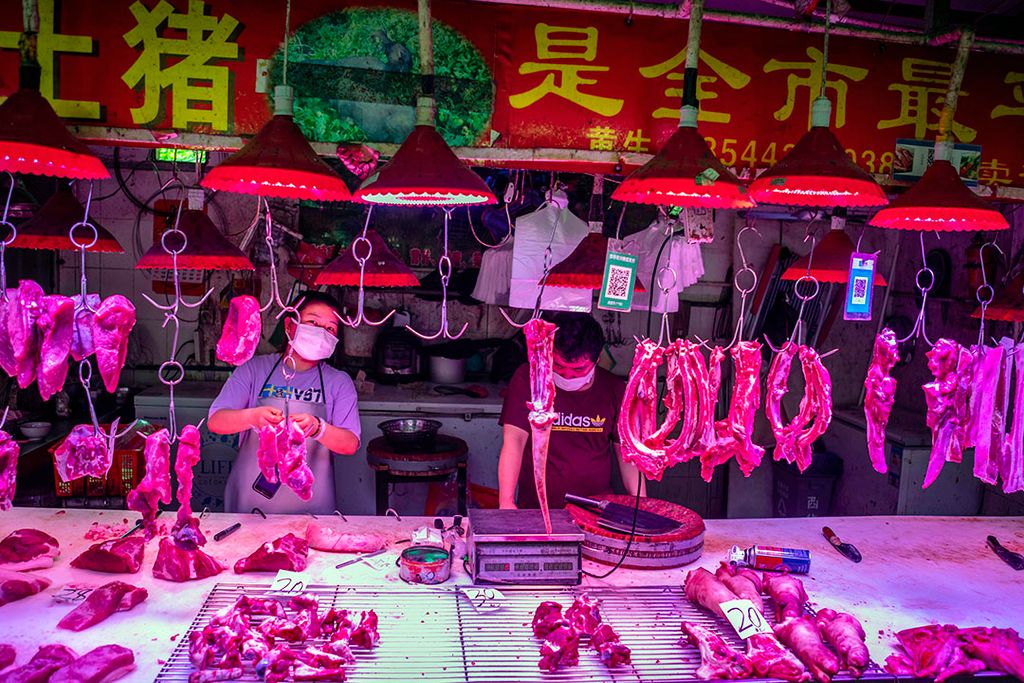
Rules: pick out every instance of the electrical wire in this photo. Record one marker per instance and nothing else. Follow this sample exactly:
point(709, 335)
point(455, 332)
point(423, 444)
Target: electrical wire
point(143, 206)
point(632, 532)
point(654, 279)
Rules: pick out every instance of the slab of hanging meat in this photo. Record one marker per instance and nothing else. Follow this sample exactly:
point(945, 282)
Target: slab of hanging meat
point(9, 452)
point(705, 589)
point(82, 343)
point(609, 647)
point(111, 326)
point(155, 487)
point(637, 418)
point(743, 582)
point(1000, 649)
point(788, 593)
point(946, 399)
point(186, 532)
point(23, 311)
point(733, 435)
point(561, 648)
point(698, 406)
point(116, 556)
point(990, 412)
point(174, 563)
point(675, 395)
point(772, 660)
point(801, 636)
point(846, 636)
point(880, 395)
point(18, 585)
point(545, 618)
point(584, 614)
point(291, 465)
point(56, 322)
point(242, 329)
point(6, 350)
point(540, 343)
point(84, 452)
point(101, 665)
point(794, 441)
point(288, 552)
point(717, 659)
point(7, 655)
point(27, 549)
point(46, 660)
point(1012, 466)
point(103, 602)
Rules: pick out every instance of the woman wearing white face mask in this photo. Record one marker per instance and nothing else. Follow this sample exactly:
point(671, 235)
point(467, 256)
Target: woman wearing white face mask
point(321, 401)
point(584, 444)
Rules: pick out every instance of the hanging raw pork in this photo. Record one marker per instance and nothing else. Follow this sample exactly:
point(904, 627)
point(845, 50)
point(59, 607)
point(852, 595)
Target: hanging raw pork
point(946, 397)
point(82, 344)
point(540, 344)
point(56, 325)
point(85, 452)
point(793, 441)
point(880, 395)
point(155, 487)
point(733, 434)
point(22, 313)
point(112, 324)
point(242, 329)
point(9, 452)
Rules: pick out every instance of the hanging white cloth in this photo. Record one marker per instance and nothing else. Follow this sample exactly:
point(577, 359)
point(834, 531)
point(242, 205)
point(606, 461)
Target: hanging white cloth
point(685, 260)
point(555, 225)
point(495, 279)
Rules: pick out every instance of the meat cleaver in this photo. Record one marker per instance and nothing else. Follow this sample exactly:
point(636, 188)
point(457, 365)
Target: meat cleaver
point(617, 517)
point(1015, 560)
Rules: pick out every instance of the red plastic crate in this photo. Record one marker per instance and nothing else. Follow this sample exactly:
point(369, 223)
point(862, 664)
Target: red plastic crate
point(126, 470)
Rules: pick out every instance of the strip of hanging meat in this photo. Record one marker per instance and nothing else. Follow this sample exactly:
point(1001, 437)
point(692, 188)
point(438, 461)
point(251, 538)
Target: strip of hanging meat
point(1012, 466)
point(82, 343)
point(540, 342)
point(794, 441)
point(637, 418)
point(880, 395)
point(989, 402)
point(946, 398)
point(112, 324)
point(22, 313)
point(56, 325)
point(243, 327)
point(155, 487)
point(733, 434)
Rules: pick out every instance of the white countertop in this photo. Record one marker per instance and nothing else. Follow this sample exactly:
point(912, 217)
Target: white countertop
point(916, 570)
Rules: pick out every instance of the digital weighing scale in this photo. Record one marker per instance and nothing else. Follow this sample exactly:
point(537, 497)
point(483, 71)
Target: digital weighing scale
point(510, 547)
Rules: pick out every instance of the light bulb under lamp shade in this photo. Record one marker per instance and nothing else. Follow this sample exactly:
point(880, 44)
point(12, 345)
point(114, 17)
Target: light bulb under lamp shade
point(206, 248)
point(831, 262)
point(940, 201)
point(425, 172)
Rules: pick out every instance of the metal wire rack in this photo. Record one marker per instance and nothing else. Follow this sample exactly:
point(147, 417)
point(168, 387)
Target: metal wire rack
point(437, 635)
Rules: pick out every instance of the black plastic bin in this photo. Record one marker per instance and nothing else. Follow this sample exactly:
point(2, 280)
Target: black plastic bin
point(807, 494)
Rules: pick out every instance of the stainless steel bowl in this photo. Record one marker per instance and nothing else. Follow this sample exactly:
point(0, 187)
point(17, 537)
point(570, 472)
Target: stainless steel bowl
point(35, 430)
point(410, 433)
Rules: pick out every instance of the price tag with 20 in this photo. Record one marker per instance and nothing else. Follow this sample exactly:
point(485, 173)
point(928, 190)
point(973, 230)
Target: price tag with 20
point(288, 583)
point(745, 619)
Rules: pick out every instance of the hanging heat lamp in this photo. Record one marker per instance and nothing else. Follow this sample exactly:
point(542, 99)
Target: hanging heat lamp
point(383, 267)
point(829, 261)
point(279, 161)
point(205, 248)
point(584, 267)
point(33, 139)
point(685, 172)
point(1008, 303)
point(48, 228)
point(817, 171)
point(424, 171)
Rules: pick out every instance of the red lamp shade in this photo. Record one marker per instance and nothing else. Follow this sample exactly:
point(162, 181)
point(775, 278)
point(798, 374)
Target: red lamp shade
point(1008, 303)
point(33, 139)
point(684, 172)
point(817, 172)
point(278, 162)
point(584, 267)
point(206, 248)
point(48, 228)
point(831, 261)
point(383, 269)
point(939, 201)
point(425, 172)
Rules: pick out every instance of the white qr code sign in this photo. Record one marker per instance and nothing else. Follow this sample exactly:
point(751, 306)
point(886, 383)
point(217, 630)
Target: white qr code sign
point(619, 279)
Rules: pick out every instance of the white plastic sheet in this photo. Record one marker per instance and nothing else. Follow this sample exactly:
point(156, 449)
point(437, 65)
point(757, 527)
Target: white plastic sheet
point(684, 259)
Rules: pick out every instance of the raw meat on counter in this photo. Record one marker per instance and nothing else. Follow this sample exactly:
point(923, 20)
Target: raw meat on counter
point(155, 487)
point(324, 534)
point(288, 552)
point(27, 549)
point(561, 648)
point(705, 589)
point(793, 441)
point(174, 563)
point(100, 665)
point(1000, 649)
point(82, 343)
point(942, 651)
point(733, 435)
point(242, 329)
point(788, 593)
point(801, 636)
point(609, 647)
point(880, 395)
point(117, 556)
point(545, 617)
point(84, 452)
point(584, 614)
point(745, 583)
point(56, 324)
point(112, 324)
point(365, 634)
point(9, 452)
point(18, 585)
point(718, 660)
point(540, 343)
point(846, 636)
point(23, 310)
point(561, 634)
point(307, 617)
point(101, 603)
point(946, 398)
point(7, 655)
point(771, 659)
point(46, 660)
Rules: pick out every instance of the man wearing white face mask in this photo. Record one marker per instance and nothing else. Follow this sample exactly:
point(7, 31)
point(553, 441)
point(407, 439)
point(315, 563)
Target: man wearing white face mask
point(321, 401)
point(584, 444)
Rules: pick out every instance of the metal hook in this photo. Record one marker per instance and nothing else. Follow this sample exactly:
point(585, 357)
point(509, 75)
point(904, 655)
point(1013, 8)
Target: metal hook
point(444, 267)
point(392, 512)
point(919, 329)
point(338, 513)
point(744, 291)
point(3, 420)
point(360, 316)
point(257, 511)
point(6, 242)
point(986, 299)
point(268, 237)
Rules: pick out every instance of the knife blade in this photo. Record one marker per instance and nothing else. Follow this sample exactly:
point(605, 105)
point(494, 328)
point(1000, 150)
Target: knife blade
point(1015, 560)
point(847, 550)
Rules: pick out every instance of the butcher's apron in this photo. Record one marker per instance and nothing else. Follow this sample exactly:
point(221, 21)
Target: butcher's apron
point(239, 495)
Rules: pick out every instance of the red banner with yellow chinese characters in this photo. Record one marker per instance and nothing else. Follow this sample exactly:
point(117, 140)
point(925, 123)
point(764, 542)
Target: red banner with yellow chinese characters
point(509, 77)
